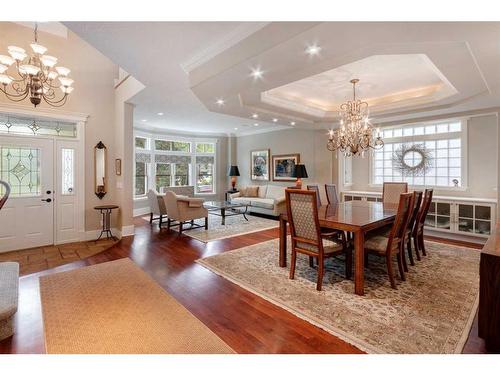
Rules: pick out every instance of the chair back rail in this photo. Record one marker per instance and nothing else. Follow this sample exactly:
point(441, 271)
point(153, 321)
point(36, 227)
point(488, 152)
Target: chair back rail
point(316, 189)
point(392, 190)
point(424, 209)
point(405, 208)
point(303, 218)
point(331, 193)
point(6, 194)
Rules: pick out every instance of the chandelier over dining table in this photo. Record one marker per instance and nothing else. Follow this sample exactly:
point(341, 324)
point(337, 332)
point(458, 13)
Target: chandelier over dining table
point(355, 135)
point(36, 76)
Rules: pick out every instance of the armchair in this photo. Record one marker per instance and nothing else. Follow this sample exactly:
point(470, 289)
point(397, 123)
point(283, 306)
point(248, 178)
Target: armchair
point(156, 206)
point(182, 209)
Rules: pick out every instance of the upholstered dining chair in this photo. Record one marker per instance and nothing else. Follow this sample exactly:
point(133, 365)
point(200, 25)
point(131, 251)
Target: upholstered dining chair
point(302, 210)
point(331, 193)
point(418, 229)
point(157, 207)
point(393, 245)
point(411, 225)
point(316, 189)
point(392, 190)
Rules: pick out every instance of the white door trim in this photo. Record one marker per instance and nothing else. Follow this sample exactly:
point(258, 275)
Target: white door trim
point(79, 142)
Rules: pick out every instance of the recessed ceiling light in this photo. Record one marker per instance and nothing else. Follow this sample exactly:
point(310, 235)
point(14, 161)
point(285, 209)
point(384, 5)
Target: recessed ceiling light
point(275, 120)
point(235, 128)
point(220, 102)
point(255, 124)
point(292, 123)
point(255, 115)
point(144, 120)
point(256, 73)
point(313, 50)
point(160, 113)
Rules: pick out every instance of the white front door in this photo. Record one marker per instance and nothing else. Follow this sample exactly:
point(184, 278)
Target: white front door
point(27, 219)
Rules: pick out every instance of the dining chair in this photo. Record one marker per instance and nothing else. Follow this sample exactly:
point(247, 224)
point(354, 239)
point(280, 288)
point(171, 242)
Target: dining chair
point(6, 193)
point(331, 193)
point(418, 229)
point(393, 244)
point(411, 225)
point(316, 189)
point(302, 210)
point(392, 190)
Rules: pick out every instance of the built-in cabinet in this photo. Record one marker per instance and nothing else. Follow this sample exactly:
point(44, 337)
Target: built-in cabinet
point(454, 215)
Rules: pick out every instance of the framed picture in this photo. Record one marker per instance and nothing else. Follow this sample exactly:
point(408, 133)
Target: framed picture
point(118, 167)
point(259, 165)
point(284, 167)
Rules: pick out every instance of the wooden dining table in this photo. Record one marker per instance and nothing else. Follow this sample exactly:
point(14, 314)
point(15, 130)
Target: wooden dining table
point(357, 217)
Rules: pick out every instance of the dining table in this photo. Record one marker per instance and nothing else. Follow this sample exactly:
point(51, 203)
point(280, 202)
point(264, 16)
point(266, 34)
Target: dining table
point(356, 217)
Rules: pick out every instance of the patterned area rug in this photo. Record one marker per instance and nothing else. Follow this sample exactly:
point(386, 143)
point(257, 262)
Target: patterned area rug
point(235, 226)
point(115, 307)
point(431, 312)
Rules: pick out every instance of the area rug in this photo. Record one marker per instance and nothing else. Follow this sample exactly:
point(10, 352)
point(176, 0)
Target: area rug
point(115, 307)
point(235, 226)
point(431, 312)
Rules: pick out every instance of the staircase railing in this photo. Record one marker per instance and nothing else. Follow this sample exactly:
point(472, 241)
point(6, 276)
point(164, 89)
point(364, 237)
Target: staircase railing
point(6, 194)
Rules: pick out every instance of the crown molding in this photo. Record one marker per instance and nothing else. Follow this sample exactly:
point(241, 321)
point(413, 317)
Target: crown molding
point(50, 113)
point(238, 34)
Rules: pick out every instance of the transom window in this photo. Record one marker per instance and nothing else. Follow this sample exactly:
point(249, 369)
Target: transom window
point(444, 147)
point(174, 162)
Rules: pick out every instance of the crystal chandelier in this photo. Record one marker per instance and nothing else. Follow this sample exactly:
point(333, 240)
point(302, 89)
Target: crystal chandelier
point(355, 135)
point(37, 76)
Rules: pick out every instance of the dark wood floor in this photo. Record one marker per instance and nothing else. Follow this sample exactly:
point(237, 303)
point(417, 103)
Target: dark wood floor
point(249, 324)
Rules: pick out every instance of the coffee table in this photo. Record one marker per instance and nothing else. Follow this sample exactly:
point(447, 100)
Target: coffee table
point(225, 209)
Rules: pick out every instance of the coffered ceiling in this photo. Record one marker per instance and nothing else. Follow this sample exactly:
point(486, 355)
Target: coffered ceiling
point(246, 77)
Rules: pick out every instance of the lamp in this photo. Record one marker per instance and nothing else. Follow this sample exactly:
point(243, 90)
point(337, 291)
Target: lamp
point(300, 172)
point(233, 172)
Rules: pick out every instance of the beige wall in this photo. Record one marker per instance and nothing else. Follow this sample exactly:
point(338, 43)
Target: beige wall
point(482, 167)
point(93, 95)
point(310, 144)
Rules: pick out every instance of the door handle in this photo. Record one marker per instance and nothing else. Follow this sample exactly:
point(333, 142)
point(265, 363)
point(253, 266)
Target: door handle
point(48, 200)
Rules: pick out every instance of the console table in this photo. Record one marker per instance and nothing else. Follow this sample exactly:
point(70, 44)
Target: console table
point(106, 219)
point(489, 292)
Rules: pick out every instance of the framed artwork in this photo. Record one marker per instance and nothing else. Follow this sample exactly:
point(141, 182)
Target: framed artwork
point(284, 166)
point(118, 167)
point(259, 165)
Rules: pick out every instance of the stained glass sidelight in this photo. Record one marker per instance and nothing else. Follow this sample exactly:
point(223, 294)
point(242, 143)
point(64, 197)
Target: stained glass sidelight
point(68, 171)
point(20, 167)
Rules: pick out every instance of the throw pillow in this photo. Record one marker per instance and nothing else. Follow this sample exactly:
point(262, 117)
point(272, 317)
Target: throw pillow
point(252, 192)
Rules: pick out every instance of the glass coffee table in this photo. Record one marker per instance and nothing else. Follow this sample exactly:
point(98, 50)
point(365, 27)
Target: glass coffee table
point(225, 209)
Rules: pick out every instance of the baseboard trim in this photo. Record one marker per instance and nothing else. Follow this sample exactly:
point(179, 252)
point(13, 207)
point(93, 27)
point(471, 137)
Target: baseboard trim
point(141, 211)
point(128, 230)
point(125, 231)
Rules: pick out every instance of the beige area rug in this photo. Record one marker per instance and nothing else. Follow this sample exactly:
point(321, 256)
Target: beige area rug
point(115, 307)
point(42, 258)
point(235, 226)
point(431, 312)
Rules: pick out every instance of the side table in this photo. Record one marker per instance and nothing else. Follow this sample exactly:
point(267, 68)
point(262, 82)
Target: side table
point(230, 192)
point(106, 219)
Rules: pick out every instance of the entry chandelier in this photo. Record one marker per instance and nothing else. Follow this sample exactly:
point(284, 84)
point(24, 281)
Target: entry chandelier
point(37, 76)
point(355, 135)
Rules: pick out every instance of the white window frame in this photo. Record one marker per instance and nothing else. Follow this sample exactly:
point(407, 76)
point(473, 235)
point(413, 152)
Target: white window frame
point(463, 148)
point(151, 167)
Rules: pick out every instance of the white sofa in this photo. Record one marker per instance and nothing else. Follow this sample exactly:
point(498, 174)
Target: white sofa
point(270, 200)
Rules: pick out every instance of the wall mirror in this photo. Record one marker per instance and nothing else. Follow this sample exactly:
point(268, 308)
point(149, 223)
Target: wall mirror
point(100, 157)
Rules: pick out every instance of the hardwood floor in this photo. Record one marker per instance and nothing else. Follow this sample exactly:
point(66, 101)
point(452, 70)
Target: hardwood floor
point(249, 324)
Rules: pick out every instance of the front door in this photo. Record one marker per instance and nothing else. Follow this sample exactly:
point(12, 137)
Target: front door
point(27, 219)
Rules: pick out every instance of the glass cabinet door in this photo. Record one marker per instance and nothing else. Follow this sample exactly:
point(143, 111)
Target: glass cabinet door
point(430, 219)
point(443, 215)
point(482, 223)
point(465, 217)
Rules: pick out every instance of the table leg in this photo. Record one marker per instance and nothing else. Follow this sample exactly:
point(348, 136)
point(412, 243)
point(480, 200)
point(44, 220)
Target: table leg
point(223, 215)
point(359, 267)
point(282, 259)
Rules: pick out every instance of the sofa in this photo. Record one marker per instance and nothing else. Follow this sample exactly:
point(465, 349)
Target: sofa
point(269, 199)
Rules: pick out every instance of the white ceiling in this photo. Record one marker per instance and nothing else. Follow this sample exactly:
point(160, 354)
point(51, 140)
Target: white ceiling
point(406, 69)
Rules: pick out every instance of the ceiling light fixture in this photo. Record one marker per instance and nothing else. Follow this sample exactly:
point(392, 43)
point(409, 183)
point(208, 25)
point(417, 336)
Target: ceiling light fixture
point(235, 128)
point(160, 113)
point(256, 73)
point(255, 115)
point(313, 50)
point(255, 124)
point(144, 120)
point(220, 102)
point(355, 135)
point(275, 120)
point(37, 75)
point(292, 123)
